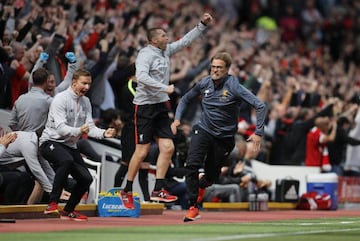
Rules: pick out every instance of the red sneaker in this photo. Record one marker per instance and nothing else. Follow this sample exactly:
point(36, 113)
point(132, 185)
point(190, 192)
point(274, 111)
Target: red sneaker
point(192, 214)
point(127, 199)
point(52, 208)
point(75, 216)
point(162, 196)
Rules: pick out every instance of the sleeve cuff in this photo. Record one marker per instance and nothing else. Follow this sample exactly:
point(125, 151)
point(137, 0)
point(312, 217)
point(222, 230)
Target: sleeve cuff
point(201, 26)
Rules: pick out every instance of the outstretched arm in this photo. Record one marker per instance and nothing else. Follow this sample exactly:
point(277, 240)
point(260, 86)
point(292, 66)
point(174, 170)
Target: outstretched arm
point(73, 66)
point(43, 57)
point(193, 34)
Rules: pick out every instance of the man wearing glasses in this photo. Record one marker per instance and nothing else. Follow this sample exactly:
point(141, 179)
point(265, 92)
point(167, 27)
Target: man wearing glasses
point(212, 138)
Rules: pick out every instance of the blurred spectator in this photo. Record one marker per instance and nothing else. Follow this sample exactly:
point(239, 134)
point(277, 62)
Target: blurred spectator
point(19, 81)
point(119, 79)
point(124, 84)
point(311, 18)
point(51, 85)
point(290, 25)
point(295, 151)
point(5, 79)
point(337, 148)
point(317, 153)
point(16, 185)
point(352, 162)
point(111, 118)
point(24, 153)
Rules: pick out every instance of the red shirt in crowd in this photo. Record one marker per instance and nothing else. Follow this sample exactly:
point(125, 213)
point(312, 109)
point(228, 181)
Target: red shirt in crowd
point(316, 152)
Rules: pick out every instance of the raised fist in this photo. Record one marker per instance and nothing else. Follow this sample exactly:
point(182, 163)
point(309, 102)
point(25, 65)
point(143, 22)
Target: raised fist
point(71, 57)
point(43, 56)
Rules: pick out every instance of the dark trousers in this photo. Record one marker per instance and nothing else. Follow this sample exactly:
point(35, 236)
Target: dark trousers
point(208, 152)
point(65, 161)
point(15, 187)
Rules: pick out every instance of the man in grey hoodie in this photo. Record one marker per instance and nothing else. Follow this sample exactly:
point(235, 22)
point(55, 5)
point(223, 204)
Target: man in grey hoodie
point(152, 107)
point(70, 117)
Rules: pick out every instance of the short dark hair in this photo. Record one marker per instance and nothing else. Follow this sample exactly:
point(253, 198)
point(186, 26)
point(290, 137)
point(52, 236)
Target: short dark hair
point(153, 33)
point(40, 76)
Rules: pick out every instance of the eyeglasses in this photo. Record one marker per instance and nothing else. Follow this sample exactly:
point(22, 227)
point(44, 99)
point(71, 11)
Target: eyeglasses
point(217, 67)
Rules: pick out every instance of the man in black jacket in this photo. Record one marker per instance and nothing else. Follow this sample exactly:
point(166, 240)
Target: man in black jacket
point(337, 148)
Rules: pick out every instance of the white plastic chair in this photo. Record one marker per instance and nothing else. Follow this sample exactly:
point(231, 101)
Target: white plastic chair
point(95, 171)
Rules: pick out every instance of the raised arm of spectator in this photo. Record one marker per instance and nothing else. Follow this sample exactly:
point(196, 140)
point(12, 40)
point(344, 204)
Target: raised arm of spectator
point(29, 19)
point(73, 66)
point(193, 72)
point(260, 73)
point(291, 86)
point(93, 38)
point(328, 110)
point(61, 26)
point(350, 112)
point(43, 57)
point(9, 17)
point(76, 32)
point(184, 65)
point(331, 136)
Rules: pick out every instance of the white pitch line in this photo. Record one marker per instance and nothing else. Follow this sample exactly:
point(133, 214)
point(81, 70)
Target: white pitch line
point(311, 224)
point(265, 235)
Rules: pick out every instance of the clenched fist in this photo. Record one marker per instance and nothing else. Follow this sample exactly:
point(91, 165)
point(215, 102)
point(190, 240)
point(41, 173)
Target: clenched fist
point(110, 132)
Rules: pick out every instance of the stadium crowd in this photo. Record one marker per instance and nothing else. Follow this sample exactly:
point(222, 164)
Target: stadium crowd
point(301, 58)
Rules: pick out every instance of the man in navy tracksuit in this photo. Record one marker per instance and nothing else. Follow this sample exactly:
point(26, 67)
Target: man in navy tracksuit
point(212, 138)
